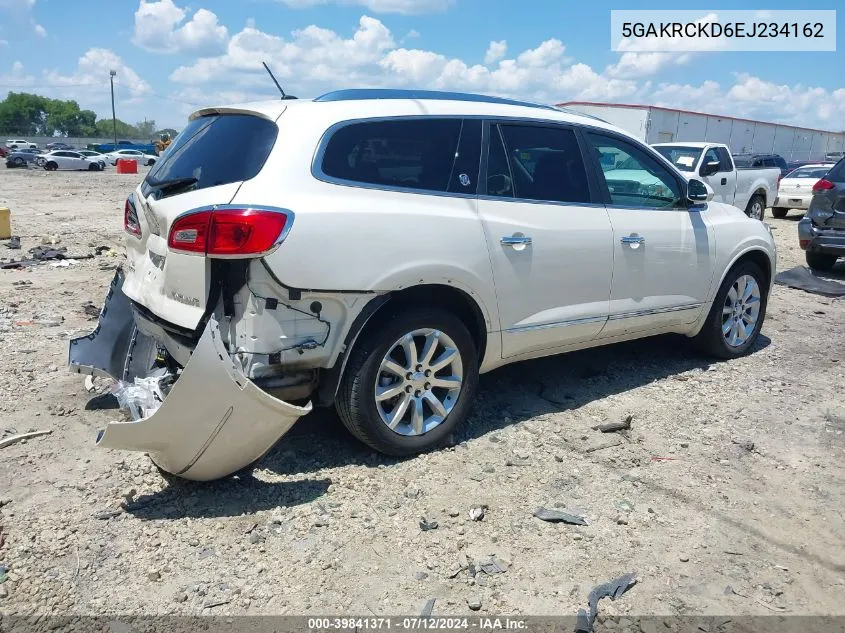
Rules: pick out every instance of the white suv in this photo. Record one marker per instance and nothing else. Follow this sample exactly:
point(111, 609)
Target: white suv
point(20, 144)
point(377, 250)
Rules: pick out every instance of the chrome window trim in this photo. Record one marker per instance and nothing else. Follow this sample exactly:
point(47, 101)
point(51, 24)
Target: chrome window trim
point(319, 153)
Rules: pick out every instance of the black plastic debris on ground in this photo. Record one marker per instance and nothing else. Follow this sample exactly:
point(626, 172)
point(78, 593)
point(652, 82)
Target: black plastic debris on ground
point(556, 516)
point(22, 263)
point(47, 253)
point(802, 278)
point(613, 590)
point(492, 566)
point(14, 242)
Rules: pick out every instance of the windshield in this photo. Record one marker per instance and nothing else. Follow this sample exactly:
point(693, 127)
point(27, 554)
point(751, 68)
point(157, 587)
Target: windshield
point(214, 150)
point(684, 158)
point(809, 172)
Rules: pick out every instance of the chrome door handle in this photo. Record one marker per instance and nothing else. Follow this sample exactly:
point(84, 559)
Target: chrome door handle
point(633, 239)
point(516, 240)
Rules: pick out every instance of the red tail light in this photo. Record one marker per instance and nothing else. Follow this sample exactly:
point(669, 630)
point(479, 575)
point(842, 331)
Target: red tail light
point(823, 185)
point(130, 219)
point(228, 232)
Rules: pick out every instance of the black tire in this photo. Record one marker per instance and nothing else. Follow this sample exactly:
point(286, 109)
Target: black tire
point(355, 402)
point(17, 160)
point(710, 339)
point(779, 212)
point(151, 162)
point(820, 261)
point(93, 167)
point(752, 209)
point(51, 166)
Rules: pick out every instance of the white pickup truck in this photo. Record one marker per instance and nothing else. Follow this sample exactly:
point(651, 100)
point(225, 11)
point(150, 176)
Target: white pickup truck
point(752, 190)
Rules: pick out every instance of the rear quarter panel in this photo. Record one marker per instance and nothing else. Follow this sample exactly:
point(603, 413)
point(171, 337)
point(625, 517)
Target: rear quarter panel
point(351, 238)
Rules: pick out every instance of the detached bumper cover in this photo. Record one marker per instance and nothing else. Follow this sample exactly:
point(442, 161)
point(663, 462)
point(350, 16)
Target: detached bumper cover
point(213, 422)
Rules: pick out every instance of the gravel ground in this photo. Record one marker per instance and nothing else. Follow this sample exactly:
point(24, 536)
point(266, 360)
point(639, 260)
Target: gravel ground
point(748, 491)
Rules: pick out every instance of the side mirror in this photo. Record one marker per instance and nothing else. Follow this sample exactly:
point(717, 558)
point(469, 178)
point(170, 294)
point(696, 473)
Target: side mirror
point(698, 191)
point(709, 168)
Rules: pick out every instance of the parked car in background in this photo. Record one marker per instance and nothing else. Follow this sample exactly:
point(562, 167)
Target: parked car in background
point(22, 157)
point(4, 151)
point(821, 232)
point(795, 190)
point(832, 157)
point(483, 231)
point(755, 161)
point(20, 144)
point(100, 158)
point(146, 148)
point(750, 189)
point(131, 154)
point(64, 159)
point(57, 145)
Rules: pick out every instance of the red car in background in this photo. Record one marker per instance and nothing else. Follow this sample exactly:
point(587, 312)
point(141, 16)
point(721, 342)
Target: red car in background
point(4, 151)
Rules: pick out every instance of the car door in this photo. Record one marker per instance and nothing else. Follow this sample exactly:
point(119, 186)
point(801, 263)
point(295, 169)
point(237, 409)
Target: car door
point(76, 161)
point(549, 241)
point(664, 250)
point(62, 160)
point(723, 181)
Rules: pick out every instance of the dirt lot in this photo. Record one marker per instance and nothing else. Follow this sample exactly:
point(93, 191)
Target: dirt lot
point(750, 493)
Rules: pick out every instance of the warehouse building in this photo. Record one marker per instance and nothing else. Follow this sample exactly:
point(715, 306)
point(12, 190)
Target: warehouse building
point(655, 124)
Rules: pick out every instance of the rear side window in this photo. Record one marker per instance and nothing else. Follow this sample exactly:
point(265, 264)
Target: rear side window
point(409, 153)
point(214, 150)
point(543, 163)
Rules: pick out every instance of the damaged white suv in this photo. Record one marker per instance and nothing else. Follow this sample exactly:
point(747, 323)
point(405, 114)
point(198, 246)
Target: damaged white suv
point(377, 250)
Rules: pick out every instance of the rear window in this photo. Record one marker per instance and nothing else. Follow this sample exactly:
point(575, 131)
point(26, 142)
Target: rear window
point(411, 153)
point(215, 150)
point(684, 158)
point(808, 172)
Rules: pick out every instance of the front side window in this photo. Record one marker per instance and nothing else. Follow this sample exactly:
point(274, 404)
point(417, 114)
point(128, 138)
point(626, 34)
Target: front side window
point(542, 163)
point(632, 177)
point(710, 156)
point(724, 159)
point(409, 153)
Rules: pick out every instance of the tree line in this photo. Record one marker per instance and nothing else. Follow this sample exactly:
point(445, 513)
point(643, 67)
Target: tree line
point(33, 115)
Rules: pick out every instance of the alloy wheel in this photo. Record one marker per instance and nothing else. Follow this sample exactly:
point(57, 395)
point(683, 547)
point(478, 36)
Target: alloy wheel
point(741, 311)
point(418, 382)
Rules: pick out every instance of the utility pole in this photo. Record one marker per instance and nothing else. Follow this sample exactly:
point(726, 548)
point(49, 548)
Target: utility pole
point(112, 73)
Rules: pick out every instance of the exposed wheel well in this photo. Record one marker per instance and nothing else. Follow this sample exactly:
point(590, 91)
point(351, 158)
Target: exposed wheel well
point(452, 299)
point(457, 301)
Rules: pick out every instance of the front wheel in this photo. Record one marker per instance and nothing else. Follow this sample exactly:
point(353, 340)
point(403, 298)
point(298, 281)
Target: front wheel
point(51, 166)
point(737, 314)
point(409, 382)
point(756, 208)
point(93, 167)
point(151, 162)
point(17, 160)
point(779, 212)
point(820, 261)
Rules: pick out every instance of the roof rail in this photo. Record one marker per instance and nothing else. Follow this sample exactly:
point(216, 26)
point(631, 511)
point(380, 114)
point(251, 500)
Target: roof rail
point(358, 94)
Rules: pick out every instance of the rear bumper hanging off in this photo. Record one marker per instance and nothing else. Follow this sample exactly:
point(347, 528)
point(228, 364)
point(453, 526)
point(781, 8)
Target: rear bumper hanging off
point(213, 422)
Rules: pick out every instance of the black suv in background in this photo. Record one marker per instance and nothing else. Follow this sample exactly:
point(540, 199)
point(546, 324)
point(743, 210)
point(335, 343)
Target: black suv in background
point(746, 161)
point(821, 233)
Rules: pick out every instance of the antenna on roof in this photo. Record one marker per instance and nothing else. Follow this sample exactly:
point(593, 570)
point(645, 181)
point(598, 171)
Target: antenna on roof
point(270, 72)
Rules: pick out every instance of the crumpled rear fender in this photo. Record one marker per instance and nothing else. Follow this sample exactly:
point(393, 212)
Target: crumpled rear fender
point(213, 422)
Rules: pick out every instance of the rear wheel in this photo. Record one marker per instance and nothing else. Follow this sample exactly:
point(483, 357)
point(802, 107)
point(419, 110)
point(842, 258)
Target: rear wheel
point(151, 162)
point(51, 166)
point(17, 160)
point(737, 314)
point(409, 382)
point(779, 212)
point(93, 167)
point(820, 261)
point(756, 208)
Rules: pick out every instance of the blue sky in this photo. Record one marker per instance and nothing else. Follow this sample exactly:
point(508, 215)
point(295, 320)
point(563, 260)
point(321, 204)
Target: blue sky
point(174, 55)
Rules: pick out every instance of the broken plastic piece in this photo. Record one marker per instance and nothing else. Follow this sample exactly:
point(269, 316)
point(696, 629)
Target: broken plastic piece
point(613, 590)
point(556, 516)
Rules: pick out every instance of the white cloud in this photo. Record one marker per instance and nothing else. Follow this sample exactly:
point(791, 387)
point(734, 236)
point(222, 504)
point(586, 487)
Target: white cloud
point(17, 67)
point(636, 65)
point(408, 7)
point(40, 31)
point(20, 14)
point(495, 52)
point(160, 28)
point(91, 76)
